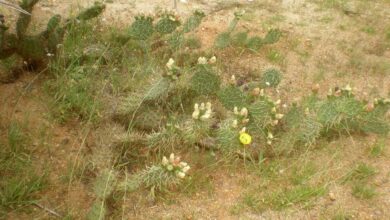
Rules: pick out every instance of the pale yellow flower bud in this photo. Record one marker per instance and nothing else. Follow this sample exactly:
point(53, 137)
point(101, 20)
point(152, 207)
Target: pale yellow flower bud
point(196, 106)
point(233, 80)
point(244, 112)
point(235, 110)
point(244, 121)
point(213, 60)
point(181, 175)
point(348, 88)
point(279, 116)
point(172, 157)
point(202, 60)
point(170, 63)
point(195, 114)
point(186, 169)
point(202, 106)
point(208, 106)
point(165, 161)
point(235, 124)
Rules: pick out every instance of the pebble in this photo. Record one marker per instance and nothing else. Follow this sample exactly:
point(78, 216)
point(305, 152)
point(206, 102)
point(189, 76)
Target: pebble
point(332, 196)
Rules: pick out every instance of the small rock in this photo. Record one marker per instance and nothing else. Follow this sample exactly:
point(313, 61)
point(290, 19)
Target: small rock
point(332, 196)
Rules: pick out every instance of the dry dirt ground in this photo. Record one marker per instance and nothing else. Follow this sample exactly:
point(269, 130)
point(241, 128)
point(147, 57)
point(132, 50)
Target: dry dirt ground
point(330, 42)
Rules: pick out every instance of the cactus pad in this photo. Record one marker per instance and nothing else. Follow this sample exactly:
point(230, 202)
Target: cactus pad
point(167, 24)
point(271, 78)
point(231, 97)
point(142, 28)
point(193, 21)
point(205, 81)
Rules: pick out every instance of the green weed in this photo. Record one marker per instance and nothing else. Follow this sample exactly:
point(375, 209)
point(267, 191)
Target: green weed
point(363, 191)
point(377, 149)
point(362, 172)
point(19, 183)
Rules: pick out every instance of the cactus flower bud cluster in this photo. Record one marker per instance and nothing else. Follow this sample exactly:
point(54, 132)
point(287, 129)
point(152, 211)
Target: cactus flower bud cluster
point(204, 61)
point(370, 106)
point(276, 116)
point(172, 70)
point(173, 164)
point(232, 80)
point(241, 117)
point(202, 112)
point(270, 138)
point(347, 90)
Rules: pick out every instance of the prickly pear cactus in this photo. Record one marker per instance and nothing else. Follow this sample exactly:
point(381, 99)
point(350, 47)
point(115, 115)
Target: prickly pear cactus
point(205, 81)
point(232, 96)
point(149, 119)
point(167, 24)
point(271, 78)
point(272, 36)
point(91, 12)
point(261, 113)
point(228, 139)
point(240, 39)
point(254, 43)
point(372, 121)
point(142, 28)
point(193, 21)
point(158, 90)
point(34, 49)
point(223, 40)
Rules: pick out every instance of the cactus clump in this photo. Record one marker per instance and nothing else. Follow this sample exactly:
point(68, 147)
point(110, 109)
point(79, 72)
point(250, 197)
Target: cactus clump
point(241, 39)
point(36, 49)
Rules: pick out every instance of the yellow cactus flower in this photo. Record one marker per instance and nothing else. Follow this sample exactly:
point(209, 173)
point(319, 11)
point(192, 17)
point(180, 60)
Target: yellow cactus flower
point(245, 138)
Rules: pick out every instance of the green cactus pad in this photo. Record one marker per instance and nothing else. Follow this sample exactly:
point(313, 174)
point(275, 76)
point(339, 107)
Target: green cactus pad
point(272, 36)
point(32, 48)
point(254, 43)
point(223, 40)
point(91, 12)
point(261, 113)
point(271, 78)
point(158, 90)
point(149, 119)
point(205, 81)
point(53, 23)
point(228, 138)
point(167, 24)
point(240, 39)
point(193, 21)
point(142, 28)
point(231, 97)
